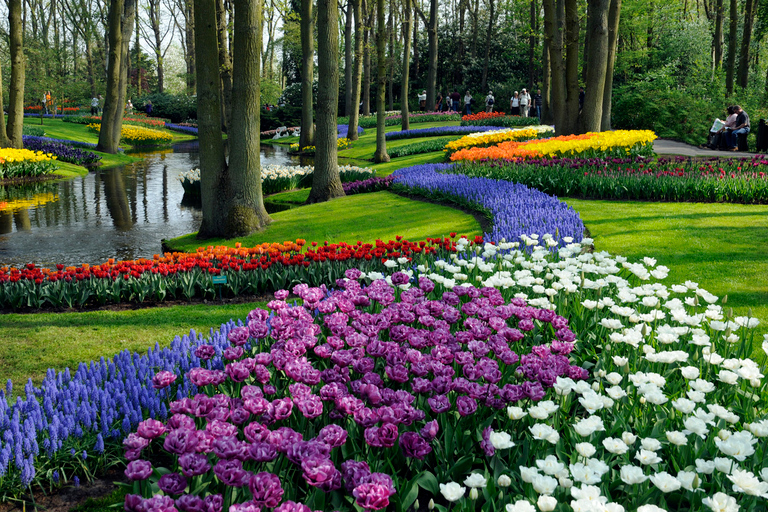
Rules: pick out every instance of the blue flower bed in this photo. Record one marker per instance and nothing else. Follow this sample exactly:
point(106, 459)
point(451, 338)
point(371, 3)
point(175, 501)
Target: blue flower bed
point(439, 130)
point(515, 209)
point(62, 151)
point(344, 130)
point(57, 116)
point(102, 402)
point(183, 129)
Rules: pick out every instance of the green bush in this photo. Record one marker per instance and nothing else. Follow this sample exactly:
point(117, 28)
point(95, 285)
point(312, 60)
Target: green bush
point(505, 121)
point(284, 116)
point(176, 107)
point(35, 131)
point(416, 148)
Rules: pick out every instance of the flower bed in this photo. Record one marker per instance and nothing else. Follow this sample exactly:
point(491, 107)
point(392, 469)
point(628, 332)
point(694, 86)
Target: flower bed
point(51, 116)
point(485, 139)
point(499, 120)
point(369, 185)
point(395, 118)
point(62, 152)
point(137, 136)
point(664, 179)
point(615, 144)
point(416, 148)
point(482, 115)
point(438, 131)
point(514, 209)
point(182, 128)
point(343, 130)
point(23, 163)
point(341, 143)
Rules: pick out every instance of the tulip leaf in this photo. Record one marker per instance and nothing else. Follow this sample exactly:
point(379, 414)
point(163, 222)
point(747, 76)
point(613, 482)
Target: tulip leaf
point(428, 482)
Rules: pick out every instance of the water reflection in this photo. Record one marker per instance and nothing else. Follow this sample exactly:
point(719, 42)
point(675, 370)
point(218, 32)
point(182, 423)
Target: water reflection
point(121, 213)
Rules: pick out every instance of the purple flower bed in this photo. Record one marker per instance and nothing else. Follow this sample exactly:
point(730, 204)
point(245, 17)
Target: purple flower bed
point(344, 130)
point(439, 130)
point(183, 129)
point(61, 151)
point(351, 393)
point(515, 209)
point(369, 185)
point(100, 403)
point(57, 116)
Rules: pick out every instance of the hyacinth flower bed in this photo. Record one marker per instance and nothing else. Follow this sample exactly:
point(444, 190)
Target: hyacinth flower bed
point(493, 119)
point(249, 271)
point(48, 116)
point(25, 163)
point(192, 130)
point(492, 138)
point(343, 130)
point(438, 131)
point(416, 148)
point(662, 179)
point(369, 185)
point(395, 118)
point(61, 151)
point(614, 144)
point(513, 209)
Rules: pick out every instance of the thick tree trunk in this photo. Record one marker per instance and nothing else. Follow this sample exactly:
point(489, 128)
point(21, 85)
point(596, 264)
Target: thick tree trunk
point(16, 88)
point(391, 58)
point(433, 49)
point(357, 72)
point(246, 212)
point(225, 64)
point(746, 38)
point(717, 40)
point(473, 45)
point(307, 137)
point(107, 136)
point(404, 85)
point(597, 34)
point(129, 14)
point(367, 65)
point(546, 80)
point(380, 155)
point(733, 33)
point(488, 35)
point(348, 63)
point(614, 13)
point(554, 41)
point(326, 183)
point(532, 46)
point(5, 142)
point(571, 67)
point(189, 55)
point(415, 46)
point(213, 166)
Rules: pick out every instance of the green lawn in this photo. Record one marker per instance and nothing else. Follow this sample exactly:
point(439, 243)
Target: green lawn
point(365, 217)
point(32, 343)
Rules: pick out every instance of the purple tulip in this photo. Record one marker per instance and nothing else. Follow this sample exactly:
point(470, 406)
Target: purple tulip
point(292, 506)
point(333, 435)
point(439, 403)
point(231, 473)
point(163, 379)
point(318, 471)
point(266, 489)
point(150, 429)
point(181, 441)
point(205, 352)
point(430, 430)
point(414, 446)
point(214, 503)
point(172, 483)
point(190, 503)
point(133, 503)
point(138, 470)
point(371, 496)
point(353, 472)
point(248, 506)
point(262, 452)
point(194, 464)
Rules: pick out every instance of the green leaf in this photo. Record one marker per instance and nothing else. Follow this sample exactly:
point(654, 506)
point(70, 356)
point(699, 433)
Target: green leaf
point(428, 482)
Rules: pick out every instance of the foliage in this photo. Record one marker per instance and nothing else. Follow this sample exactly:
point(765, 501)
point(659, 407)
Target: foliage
point(23, 163)
point(36, 131)
point(288, 115)
point(175, 107)
point(270, 91)
point(62, 152)
point(508, 121)
point(416, 148)
point(677, 179)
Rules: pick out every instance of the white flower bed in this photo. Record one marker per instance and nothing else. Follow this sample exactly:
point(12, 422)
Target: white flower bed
point(673, 416)
point(273, 172)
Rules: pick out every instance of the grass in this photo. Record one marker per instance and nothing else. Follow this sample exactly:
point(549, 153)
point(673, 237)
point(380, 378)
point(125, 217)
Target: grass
point(32, 343)
point(722, 247)
point(366, 217)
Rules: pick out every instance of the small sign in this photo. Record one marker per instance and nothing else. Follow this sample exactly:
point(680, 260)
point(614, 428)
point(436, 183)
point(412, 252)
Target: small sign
point(219, 279)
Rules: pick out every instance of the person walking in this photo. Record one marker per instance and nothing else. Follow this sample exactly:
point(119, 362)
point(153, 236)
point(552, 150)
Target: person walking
point(422, 101)
point(439, 102)
point(467, 103)
point(95, 106)
point(525, 100)
point(489, 101)
point(538, 102)
point(514, 104)
point(455, 98)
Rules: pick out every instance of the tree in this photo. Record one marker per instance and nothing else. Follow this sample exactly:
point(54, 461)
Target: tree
point(404, 85)
point(488, 36)
point(11, 136)
point(348, 62)
point(357, 71)
point(380, 155)
point(225, 64)
point(746, 37)
point(596, 68)
point(367, 59)
point(326, 182)
point(733, 33)
point(432, 45)
point(307, 137)
point(155, 34)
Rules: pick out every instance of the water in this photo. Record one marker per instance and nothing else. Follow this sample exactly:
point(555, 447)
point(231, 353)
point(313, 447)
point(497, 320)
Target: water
point(122, 212)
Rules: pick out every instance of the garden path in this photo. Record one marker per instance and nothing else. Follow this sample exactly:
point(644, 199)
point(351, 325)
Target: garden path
point(671, 147)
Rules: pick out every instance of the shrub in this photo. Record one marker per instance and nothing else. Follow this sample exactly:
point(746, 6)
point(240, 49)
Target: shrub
point(174, 107)
point(36, 131)
point(437, 131)
point(369, 185)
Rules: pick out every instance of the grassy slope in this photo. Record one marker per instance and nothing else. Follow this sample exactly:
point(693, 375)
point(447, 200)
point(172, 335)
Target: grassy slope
point(34, 343)
point(365, 217)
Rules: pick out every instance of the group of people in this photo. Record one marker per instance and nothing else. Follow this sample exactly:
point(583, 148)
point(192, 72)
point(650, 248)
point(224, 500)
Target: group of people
point(725, 134)
point(520, 104)
point(448, 103)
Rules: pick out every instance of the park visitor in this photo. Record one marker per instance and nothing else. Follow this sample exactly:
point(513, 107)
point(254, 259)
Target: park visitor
point(525, 100)
point(94, 106)
point(742, 126)
point(514, 104)
point(455, 98)
point(467, 103)
point(538, 102)
point(489, 100)
point(423, 101)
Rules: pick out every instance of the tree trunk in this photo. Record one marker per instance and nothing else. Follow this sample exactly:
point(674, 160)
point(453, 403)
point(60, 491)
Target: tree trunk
point(380, 155)
point(189, 54)
point(213, 166)
point(432, 69)
point(225, 64)
point(473, 46)
point(571, 66)
point(307, 137)
point(326, 183)
point(367, 64)
point(488, 35)
point(404, 85)
point(16, 88)
point(717, 40)
point(348, 63)
point(415, 45)
point(129, 14)
point(5, 142)
point(532, 46)
point(597, 58)
point(391, 58)
point(357, 72)
point(733, 33)
point(614, 14)
point(553, 39)
point(746, 37)
point(246, 213)
point(106, 133)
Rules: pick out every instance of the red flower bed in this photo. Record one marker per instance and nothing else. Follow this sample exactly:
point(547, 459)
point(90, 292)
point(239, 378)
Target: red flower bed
point(482, 115)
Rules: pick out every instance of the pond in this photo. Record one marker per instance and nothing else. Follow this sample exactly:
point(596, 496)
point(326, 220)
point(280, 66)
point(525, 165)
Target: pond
point(122, 212)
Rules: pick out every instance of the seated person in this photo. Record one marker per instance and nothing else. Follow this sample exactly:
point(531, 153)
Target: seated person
point(741, 125)
point(718, 127)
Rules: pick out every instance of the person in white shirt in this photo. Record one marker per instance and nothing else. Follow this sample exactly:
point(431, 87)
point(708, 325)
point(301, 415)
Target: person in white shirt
point(525, 100)
point(467, 103)
point(489, 101)
point(514, 104)
point(423, 101)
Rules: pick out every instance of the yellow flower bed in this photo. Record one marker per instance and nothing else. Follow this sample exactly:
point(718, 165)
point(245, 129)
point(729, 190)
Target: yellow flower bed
point(137, 135)
point(342, 143)
point(491, 138)
point(11, 155)
point(24, 163)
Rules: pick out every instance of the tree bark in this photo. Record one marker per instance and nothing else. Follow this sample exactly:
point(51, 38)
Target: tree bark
point(348, 63)
point(546, 110)
point(246, 212)
point(5, 142)
point(380, 155)
point(391, 58)
point(213, 166)
point(733, 33)
point(16, 89)
point(488, 35)
point(189, 55)
point(367, 63)
point(107, 136)
point(746, 38)
point(571, 66)
point(415, 45)
point(433, 49)
point(129, 14)
point(717, 40)
point(597, 58)
point(326, 183)
point(404, 85)
point(614, 14)
point(473, 45)
point(554, 42)
point(307, 137)
point(358, 70)
point(532, 46)
point(225, 64)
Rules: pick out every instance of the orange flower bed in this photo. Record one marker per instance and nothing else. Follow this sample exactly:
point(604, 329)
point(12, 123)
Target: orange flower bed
point(511, 149)
point(482, 115)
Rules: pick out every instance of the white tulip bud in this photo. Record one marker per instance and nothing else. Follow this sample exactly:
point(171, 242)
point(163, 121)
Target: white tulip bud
point(504, 481)
point(431, 504)
point(473, 493)
point(416, 504)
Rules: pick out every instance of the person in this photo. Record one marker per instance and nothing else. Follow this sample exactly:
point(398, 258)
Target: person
point(717, 129)
point(95, 106)
point(48, 101)
point(45, 104)
point(538, 102)
point(148, 107)
point(422, 101)
point(514, 104)
point(741, 126)
point(489, 100)
point(467, 103)
point(129, 107)
point(438, 102)
point(525, 100)
point(101, 104)
point(455, 98)
point(581, 99)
